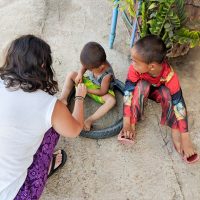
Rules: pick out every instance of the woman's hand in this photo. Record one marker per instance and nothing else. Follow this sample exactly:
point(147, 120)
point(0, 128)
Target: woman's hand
point(81, 90)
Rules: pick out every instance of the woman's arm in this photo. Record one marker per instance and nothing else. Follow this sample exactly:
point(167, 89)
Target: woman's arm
point(65, 123)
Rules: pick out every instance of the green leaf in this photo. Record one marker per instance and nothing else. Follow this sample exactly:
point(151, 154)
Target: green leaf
point(171, 34)
point(185, 36)
point(150, 22)
point(153, 5)
point(180, 10)
point(167, 25)
point(153, 15)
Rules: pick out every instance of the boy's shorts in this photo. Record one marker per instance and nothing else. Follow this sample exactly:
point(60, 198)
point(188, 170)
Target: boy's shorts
point(90, 85)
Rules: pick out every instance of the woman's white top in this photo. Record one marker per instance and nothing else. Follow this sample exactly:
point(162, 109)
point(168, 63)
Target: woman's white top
point(24, 119)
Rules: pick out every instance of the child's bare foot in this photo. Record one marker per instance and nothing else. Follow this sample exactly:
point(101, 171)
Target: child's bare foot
point(187, 146)
point(88, 124)
point(176, 137)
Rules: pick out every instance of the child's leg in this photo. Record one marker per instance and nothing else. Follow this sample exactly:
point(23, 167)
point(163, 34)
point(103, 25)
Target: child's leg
point(68, 85)
point(140, 93)
point(182, 143)
point(163, 96)
point(110, 101)
point(176, 138)
point(180, 135)
point(38, 171)
point(186, 145)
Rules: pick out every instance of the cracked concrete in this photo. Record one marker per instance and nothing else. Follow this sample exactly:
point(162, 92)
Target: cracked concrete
point(104, 169)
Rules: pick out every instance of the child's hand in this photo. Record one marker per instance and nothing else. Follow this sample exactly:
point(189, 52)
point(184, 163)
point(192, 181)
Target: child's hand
point(81, 90)
point(128, 130)
point(78, 79)
point(128, 133)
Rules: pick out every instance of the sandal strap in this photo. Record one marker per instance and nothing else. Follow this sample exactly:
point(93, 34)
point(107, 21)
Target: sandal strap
point(64, 159)
point(52, 164)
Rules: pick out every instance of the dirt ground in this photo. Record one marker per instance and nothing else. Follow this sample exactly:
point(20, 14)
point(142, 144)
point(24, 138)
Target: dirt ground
point(105, 169)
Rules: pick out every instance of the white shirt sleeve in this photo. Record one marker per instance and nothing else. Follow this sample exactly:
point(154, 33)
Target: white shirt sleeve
point(50, 112)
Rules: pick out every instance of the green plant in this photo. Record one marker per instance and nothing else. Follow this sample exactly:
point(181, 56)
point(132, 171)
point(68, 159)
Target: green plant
point(165, 18)
point(126, 5)
point(184, 35)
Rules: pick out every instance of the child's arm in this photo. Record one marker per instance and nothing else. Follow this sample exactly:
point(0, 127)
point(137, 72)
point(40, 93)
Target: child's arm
point(130, 84)
point(104, 86)
point(127, 130)
point(78, 78)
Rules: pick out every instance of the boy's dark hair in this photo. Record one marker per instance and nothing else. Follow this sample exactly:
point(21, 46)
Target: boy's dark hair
point(28, 66)
point(92, 55)
point(151, 48)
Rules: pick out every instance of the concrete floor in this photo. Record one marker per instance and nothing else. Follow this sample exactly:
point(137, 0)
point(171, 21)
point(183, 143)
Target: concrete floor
point(104, 169)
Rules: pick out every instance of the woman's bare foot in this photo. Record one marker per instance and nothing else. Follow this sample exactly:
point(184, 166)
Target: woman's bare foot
point(87, 124)
point(176, 137)
point(58, 160)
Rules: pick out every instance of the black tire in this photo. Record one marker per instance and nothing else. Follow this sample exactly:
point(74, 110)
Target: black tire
point(110, 131)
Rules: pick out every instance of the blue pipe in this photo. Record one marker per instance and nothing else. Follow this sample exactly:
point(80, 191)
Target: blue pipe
point(135, 25)
point(113, 25)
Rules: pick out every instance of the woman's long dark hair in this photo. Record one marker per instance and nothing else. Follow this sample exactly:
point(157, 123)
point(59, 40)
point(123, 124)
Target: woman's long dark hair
point(28, 66)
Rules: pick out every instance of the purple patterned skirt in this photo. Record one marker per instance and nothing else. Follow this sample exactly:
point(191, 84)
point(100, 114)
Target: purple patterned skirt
point(38, 171)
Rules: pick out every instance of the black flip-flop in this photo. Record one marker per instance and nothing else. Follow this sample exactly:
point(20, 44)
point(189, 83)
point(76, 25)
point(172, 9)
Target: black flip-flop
point(64, 159)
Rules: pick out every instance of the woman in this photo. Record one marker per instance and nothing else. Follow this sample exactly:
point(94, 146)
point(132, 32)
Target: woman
point(28, 111)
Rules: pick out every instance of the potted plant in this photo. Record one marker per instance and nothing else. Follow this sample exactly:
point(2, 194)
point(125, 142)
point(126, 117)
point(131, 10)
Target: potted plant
point(167, 19)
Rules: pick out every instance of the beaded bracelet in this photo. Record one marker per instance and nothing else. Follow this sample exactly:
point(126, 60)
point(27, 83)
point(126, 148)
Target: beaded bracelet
point(79, 98)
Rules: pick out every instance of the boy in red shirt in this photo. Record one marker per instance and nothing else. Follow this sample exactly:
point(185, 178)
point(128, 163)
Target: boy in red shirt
point(150, 76)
